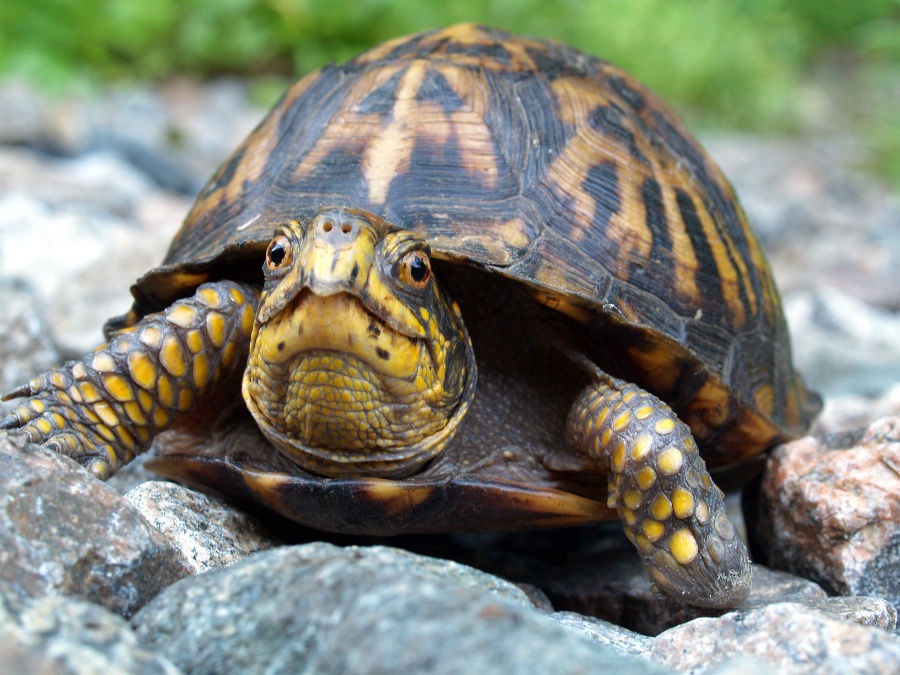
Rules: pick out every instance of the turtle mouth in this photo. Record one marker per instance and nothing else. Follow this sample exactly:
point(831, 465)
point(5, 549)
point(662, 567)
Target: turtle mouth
point(338, 324)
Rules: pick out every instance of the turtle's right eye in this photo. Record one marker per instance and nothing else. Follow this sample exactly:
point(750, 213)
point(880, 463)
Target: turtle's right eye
point(279, 254)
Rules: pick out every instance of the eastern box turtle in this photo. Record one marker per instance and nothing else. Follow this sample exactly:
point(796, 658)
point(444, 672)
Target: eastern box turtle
point(619, 313)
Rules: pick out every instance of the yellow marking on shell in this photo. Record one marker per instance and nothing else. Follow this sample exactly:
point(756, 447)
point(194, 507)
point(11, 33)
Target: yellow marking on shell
point(103, 362)
point(702, 512)
point(171, 356)
point(209, 297)
point(200, 370)
point(622, 421)
point(665, 426)
point(661, 508)
point(215, 328)
point(151, 336)
point(142, 370)
point(653, 529)
point(683, 546)
point(194, 341)
point(89, 392)
point(641, 446)
point(645, 478)
point(134, 412)
point(182, 315)
point(682, 503)
point(118, 387)
point(78, 371)
point(619, 457)
point(670, 461)
point(106, 413)
point(633, 499)
point(165, 392)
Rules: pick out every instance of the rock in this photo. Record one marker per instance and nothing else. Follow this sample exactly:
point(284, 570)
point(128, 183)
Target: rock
point(846, 413)
point(208, 532)
point(830, 510)
point(60, 635)
point(605, 633)
point(25, 348)
point(318, 608)
point(842, 345)
point(786, 637)
point(64, 532)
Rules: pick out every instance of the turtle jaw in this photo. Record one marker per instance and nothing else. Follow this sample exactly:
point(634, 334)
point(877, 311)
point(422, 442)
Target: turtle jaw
point(347, 373)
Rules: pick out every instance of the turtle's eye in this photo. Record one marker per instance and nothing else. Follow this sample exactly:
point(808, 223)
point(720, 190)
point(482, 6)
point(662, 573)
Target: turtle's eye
point(279, 254)
point(415, 269)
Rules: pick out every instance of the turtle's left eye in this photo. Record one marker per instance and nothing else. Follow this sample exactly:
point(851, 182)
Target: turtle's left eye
point(279, 254)
point(415, 269)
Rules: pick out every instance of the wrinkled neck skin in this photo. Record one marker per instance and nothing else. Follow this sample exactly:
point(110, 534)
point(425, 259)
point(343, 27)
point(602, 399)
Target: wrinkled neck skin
point(348, 375)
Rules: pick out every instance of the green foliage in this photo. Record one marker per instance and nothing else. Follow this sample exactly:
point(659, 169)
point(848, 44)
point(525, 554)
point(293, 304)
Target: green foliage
point(739, 62)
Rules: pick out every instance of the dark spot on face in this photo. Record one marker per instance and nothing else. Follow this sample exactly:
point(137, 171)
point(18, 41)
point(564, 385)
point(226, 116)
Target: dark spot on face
point(374, 330)
point(299, 330)
point(354, 273)
point(382, 353)
point(281, 346)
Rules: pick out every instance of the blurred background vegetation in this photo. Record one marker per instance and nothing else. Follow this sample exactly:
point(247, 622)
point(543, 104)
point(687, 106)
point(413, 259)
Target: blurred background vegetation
point(760, 65)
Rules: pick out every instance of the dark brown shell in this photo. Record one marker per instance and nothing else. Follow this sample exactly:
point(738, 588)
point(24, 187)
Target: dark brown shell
point(542, 164)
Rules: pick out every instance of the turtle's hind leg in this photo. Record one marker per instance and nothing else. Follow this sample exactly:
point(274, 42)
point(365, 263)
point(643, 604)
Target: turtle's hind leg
point(658, 484)
point(105, 409)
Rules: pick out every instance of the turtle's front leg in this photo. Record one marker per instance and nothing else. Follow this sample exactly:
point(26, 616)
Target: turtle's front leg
point(104, 410)
point(658, 484)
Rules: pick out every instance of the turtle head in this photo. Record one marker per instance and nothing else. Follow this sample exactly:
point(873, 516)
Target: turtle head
point(359, 364)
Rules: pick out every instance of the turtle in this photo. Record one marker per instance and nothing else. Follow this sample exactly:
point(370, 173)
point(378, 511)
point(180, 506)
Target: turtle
point(465, 281)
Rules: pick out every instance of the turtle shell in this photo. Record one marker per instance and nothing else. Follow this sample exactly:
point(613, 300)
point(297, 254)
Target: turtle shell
point(541, 164)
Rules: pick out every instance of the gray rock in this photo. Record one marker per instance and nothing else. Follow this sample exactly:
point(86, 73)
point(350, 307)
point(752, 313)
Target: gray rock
point(25, 348)
point(787, 637)
point(605, 633)
point(318, 608)
point(64, 532)
point(72, 637)
point(830, 510)
point(208, 532)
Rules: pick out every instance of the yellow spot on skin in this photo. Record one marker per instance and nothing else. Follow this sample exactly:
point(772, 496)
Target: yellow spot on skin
point(706, 481)
point(172, 356)
point(184, 316)
point(236, 296)
point(146, 400)
point(723, 526)
point(215, 328)
point(665, 426)
point(160, 418)
point(228, 354)
point(644, 413)
point(142, 370)
point(185, 399)
point(89, 392)
point(133, 410)
point(619, 457)
point(105, 431)
point(633, 499)
point(602, 416)
point(629, 516)
point(661, 508)
point(702, 513)
point(151, 336)
point(653, 529)
point(106, 413)
point(683, 546)
point(44, 426)
point(165, 392)
point(103, 362)
point(643, 543)
point(628, 397)
point(209, 297)
point(78, 371)
point(201, 370)
point(645, 478)
point(606, 437)
point(641, 447)
point(622, 421)
point(682, 503)
point(75, 394)
point(247, 320)
point(118, 387)
point(669, 461)
point(194, 341)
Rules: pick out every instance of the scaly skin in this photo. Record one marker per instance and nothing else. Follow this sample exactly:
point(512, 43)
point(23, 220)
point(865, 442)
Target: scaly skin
point(658, 484)
point(106, 409)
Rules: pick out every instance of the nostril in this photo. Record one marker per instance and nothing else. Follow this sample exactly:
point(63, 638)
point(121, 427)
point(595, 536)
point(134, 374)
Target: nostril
point(346, 228)
point(326, 226)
